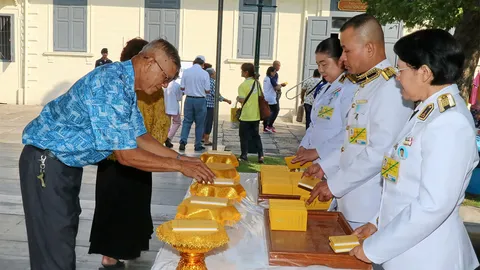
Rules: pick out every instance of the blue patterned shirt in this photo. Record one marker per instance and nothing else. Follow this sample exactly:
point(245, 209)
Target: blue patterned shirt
point(97, 115)
point(210, 98)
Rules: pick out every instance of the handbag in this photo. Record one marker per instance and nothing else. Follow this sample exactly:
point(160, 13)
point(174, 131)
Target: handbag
point(263, 104)
point(238, 113)
point(300, 113)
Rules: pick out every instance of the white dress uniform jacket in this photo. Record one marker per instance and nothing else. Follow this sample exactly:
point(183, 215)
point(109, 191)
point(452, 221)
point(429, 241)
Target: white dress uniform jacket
point(354, 174)
point(326, 133)
point(419, 226)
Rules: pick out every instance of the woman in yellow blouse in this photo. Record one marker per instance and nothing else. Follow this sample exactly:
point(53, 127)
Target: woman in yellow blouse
point(122, 223)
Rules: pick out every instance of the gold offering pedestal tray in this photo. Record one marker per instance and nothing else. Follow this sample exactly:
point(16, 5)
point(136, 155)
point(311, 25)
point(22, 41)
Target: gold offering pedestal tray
point(192, 245)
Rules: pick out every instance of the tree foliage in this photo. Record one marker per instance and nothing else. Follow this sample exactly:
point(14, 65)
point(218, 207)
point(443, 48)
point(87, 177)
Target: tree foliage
point(443, 14)
point(463, 15)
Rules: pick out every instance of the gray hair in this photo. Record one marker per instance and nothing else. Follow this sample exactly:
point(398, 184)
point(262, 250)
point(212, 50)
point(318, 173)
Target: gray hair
point(163, 45)
point(210, 71)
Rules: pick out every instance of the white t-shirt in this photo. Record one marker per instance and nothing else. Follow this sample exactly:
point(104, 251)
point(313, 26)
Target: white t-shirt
point(195, 80)
point(172, 95)
point(269, 91)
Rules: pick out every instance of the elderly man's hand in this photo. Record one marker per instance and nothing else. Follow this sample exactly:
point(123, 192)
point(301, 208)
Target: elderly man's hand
point(321, 191)
point(191, 159)
point(198, 171)
point(305, 156)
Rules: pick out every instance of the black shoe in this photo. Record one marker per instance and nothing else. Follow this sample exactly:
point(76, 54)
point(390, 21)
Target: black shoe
point(243, 159)
point(182, 147)
point(168, 143)
point(261, 160)
point(118, 265)
point(198, 149)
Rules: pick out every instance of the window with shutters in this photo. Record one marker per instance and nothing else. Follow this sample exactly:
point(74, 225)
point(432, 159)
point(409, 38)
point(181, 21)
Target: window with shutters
point(248, 26)
point(70, 25)
point(162, 20)
point(6, 38)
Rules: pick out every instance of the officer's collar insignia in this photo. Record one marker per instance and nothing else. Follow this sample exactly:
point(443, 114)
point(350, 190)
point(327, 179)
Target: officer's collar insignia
point(426, 112)
point(369, 76)
point(445, 102)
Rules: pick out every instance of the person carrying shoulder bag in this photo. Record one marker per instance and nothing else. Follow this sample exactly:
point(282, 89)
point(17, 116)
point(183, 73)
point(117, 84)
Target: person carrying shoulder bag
point(249, 114)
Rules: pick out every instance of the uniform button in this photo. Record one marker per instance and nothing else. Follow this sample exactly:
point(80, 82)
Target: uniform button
point(353, 105)
point(348, 127)
point(342, 149)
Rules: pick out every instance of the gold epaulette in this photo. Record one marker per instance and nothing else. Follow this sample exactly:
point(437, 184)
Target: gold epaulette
point(445, 102)
point(388, 73)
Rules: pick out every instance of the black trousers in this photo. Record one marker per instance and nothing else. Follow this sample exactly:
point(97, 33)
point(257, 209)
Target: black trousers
point(51, 212)
point(308, 110)
point(274, 109)
point(209, 121)
point(248, 131)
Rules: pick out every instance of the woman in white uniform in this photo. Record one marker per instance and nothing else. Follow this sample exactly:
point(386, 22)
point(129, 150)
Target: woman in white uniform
point(426, 172)
point(332, 101)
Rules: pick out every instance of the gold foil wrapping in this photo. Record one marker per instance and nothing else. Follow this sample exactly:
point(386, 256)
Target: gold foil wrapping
point(215, 158)
point(235, 193)
point(224, 215)
point(222, 170)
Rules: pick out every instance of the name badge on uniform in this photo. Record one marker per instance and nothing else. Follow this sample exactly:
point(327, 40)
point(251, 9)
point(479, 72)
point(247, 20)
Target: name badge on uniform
point(358, 135)
point(325, 112)
point(390, 168)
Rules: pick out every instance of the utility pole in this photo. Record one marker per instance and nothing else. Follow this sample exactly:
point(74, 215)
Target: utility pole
point(217, 78)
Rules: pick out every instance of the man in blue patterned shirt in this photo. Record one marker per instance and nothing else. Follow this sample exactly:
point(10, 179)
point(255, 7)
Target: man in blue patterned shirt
point(97, 116)
point(210, 98)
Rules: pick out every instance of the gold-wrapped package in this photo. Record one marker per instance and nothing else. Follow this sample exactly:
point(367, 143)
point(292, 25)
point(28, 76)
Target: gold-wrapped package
point(224, 215)
point(343, 243)
point(234, 192)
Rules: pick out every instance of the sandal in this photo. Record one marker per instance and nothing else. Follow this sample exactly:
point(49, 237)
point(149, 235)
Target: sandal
point(261, 160)
point(118, 265)
point(208, 143)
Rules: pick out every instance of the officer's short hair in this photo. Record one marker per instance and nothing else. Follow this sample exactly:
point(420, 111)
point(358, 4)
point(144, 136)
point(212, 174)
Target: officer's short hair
point(104, 50)
point(435, 48)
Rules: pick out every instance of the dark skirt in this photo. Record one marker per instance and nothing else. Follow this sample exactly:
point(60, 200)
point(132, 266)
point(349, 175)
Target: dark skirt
point(122, 223)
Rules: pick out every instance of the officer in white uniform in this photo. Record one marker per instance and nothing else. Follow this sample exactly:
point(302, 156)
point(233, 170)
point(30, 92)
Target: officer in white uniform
point(329, 111)
point(377, 115)
point(330, 107)
point(429, 167)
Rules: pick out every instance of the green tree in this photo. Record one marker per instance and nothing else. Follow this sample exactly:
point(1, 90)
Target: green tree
point(463, 15)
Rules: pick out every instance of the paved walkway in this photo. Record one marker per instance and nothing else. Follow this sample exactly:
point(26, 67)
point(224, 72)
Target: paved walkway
point(168, 190)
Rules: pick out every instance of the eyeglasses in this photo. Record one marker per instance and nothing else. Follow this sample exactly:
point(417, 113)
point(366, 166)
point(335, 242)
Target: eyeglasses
point(167, 78)
point(398, 70)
